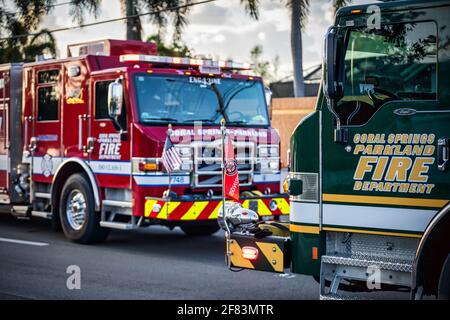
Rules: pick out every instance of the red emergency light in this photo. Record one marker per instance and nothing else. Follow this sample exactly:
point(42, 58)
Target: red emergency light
point(250, 253)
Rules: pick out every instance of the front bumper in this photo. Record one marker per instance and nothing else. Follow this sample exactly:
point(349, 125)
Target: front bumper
point(188, 208)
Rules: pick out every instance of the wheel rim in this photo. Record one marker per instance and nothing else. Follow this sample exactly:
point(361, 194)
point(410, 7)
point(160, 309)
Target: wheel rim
point(76, 209)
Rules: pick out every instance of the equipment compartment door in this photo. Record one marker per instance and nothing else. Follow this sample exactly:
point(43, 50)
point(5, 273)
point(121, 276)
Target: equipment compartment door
point(4, 159)
point(46, 131)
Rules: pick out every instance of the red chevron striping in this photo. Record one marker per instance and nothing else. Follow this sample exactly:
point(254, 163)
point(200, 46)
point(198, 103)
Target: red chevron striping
point(179, 211)
point(208, 210)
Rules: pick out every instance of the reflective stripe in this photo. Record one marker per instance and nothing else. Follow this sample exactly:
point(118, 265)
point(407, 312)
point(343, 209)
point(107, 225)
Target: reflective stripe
point(413, 202)
point(302, 212)
point(161, 180)
point(304, 229)
point(201, 210)
point(4, 162)
point(396, 219)
point(111, 167)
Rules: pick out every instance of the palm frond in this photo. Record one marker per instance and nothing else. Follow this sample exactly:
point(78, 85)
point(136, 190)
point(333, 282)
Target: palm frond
point(251, 7)
point(337, 4)
point(301, 8)
point(78, 9)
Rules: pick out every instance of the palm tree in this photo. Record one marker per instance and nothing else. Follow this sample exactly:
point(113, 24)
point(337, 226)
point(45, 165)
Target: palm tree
point(23, 17)
point(299, 10)
point(163, 12)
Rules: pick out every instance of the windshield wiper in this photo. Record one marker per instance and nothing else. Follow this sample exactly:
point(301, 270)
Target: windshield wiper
point(221, 109)
point(152, 119)
point(202, 120)
point(237, 122)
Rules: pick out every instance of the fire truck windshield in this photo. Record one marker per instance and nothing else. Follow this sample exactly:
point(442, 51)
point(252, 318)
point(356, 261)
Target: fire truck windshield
point(394, 62)
point(185, 99)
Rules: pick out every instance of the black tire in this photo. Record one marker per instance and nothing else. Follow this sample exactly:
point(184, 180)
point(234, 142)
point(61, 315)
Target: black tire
point(89, 231)
point(444, 281)
point(200, 228)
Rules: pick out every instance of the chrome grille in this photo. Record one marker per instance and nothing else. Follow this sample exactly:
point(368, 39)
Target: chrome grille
point(208, 159)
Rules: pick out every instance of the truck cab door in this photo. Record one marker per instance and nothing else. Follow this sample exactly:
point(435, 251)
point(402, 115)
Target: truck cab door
point(45, 137)
point(109, 152)
point(385, 176)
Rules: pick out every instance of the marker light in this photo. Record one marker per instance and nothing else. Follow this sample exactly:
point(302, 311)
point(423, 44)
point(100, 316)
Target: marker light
point(356, 11)
point(143, 166)
point(250, 253)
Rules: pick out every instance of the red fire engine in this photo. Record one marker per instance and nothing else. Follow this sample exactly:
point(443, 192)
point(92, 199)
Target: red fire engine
point(81, 140)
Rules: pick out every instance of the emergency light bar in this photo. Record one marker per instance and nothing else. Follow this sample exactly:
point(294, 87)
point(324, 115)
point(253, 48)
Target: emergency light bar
point(230, 65)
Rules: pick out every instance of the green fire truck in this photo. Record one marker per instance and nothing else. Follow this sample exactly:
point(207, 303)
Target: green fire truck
point(369, 177)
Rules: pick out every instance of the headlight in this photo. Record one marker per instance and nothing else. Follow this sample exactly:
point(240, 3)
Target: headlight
point(274, 151)
point(263, 151)
point(267, 165)
point(185, 166)
point(268, 151)
point(184, 151)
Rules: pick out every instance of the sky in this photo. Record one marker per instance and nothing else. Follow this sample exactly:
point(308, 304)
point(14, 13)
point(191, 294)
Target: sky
point(220, 30)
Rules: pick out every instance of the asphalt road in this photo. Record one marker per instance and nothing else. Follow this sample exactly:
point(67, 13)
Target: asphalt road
point(152, 263)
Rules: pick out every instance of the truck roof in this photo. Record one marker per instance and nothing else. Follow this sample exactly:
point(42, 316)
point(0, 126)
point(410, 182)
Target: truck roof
point(394, 5)
point(109, 55)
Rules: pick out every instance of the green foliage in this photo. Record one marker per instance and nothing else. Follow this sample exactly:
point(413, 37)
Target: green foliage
point(175, 49)
point(263, 68)
point(24, 16)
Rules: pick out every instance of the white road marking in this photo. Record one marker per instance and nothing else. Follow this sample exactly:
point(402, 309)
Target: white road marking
point(30, 243)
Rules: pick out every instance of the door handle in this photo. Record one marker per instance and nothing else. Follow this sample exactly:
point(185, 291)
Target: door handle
point(81, 118)
point(33, 144)
point(90, 144)
point(443, 154)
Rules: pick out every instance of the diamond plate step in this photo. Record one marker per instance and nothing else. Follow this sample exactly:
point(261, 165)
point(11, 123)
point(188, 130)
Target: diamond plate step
point(366, 262)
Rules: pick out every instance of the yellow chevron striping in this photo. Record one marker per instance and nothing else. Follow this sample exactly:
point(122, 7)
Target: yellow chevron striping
point(168, 208)
point(148, 207)
point(262, 208)
point(215, 212)
point(283, 205)
point(195, 210)
point(273, 255)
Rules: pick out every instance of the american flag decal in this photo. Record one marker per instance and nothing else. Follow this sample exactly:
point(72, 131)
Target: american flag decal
point(170, 158)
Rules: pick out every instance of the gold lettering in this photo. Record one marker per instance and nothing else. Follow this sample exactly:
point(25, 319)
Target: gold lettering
point(379, 169)
point(364, 166)
point(420, 169)
point(398, 169)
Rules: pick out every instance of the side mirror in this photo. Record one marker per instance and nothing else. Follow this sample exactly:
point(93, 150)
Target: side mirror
point(333, 79)
point(115, 99)
point(329, 67)
point(333, 66)
point(268, 94)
